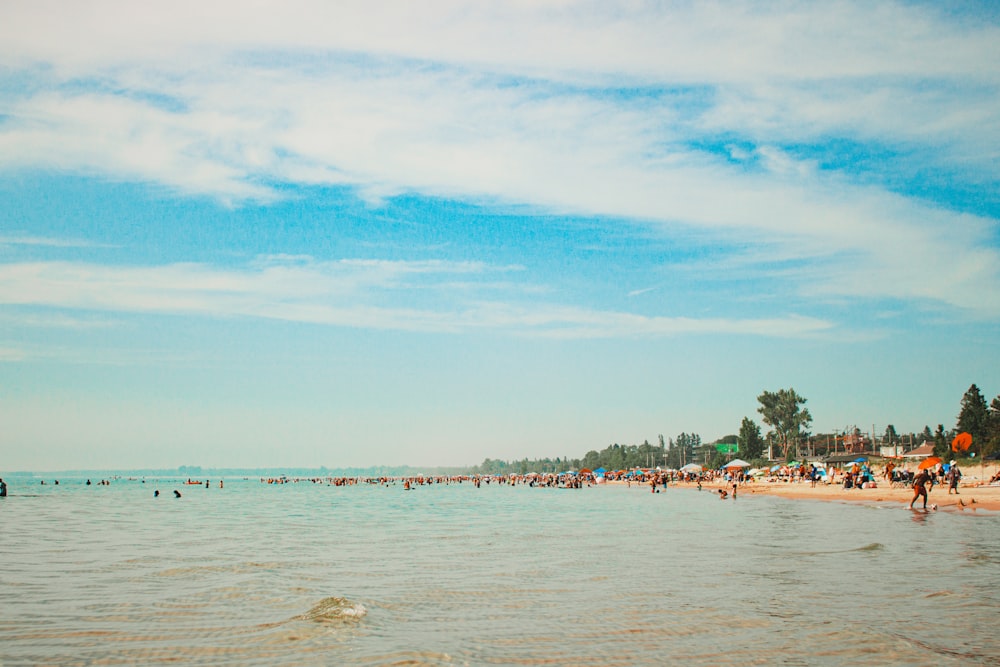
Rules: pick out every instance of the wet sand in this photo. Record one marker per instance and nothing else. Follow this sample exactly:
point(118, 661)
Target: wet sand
point(968, 498)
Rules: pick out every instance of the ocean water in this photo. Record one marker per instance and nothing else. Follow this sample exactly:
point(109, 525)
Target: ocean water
point(308, 574)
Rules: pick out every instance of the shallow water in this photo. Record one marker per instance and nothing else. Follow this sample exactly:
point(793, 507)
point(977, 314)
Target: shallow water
point(305, 574)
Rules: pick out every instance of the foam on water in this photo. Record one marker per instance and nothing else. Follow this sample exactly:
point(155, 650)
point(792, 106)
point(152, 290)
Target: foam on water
point(333, 610)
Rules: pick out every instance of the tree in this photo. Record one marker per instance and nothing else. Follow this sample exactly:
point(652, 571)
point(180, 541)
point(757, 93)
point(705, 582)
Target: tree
point(992, 443)
point(750, 443)
point(681, 451)
point(940, 442)
point(972, 418)
point(780, 410)
point(891, 438)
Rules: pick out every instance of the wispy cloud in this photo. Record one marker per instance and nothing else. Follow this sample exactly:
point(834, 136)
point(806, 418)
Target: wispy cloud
point(48, 242)
point(11, 354)
point(50, 320)
point(603, 110)
point(409, 296)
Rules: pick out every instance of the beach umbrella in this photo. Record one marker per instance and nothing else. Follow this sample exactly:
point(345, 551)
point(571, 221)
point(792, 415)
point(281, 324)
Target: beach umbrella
point(691, 467)
point(737, 463)
point(929, 462)
point(961, 443)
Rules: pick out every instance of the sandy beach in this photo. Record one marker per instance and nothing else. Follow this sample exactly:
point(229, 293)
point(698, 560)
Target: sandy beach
point(973, 494)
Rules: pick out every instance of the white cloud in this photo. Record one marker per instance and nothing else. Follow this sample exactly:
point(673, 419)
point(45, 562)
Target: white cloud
point(49, 242)
point(11, 354)
point(719, 41)
point(362, 294)
point(518, 103)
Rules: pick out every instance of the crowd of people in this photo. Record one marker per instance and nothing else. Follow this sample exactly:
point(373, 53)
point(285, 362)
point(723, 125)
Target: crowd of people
point(858, 474)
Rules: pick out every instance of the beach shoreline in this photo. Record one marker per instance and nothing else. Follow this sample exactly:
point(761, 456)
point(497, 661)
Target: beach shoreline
point(973, 496)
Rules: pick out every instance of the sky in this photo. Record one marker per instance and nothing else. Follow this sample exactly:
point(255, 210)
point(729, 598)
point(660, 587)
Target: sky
point(394, 233)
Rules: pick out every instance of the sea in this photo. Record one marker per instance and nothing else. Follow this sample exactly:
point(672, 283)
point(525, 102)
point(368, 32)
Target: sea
point(308, 573)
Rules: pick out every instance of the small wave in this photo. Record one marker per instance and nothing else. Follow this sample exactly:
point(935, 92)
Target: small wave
point(874, 546)
point(938, 594)
point(332, 610)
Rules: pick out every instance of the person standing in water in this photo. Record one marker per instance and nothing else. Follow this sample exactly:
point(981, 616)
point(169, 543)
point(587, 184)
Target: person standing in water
point(919, 487)
point(3, 488)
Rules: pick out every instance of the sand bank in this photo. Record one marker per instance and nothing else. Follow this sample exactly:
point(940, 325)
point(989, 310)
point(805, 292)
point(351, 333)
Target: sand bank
point(973, 493)
point(969, 498)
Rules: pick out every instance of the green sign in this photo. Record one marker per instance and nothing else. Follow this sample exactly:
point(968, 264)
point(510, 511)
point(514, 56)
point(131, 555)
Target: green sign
point(727, 448)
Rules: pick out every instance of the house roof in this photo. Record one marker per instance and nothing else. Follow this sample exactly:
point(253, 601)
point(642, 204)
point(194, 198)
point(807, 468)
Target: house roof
point(923, 450)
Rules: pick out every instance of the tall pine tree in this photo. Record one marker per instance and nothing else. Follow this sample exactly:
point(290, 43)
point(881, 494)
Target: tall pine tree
point(973, 418)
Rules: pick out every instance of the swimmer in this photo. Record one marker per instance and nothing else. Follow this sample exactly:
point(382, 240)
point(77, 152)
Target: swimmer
point(177, 494)
point(156, 494)
point(3, 488)
point(723, 494)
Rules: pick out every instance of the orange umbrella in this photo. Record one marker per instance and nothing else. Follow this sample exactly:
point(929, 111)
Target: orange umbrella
point(929, 462)
point(962, 442)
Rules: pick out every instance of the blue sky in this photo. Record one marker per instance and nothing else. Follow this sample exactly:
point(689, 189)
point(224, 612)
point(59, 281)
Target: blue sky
point(384, 233)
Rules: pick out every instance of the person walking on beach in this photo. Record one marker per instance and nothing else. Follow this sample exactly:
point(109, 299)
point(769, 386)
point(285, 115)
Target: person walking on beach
point(954, 474)
point(919, 487)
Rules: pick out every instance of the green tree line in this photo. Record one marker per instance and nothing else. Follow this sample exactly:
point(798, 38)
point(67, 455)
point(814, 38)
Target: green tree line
point(785, 412)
